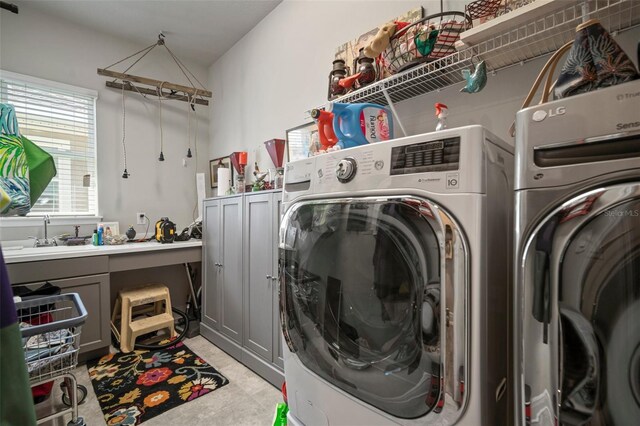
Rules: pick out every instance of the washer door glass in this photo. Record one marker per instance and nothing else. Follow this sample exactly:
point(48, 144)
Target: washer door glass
point(362, 300)
point(599, 296)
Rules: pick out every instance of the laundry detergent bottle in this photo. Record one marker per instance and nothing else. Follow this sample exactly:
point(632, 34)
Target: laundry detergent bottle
point(360, 124)
point(324, 119)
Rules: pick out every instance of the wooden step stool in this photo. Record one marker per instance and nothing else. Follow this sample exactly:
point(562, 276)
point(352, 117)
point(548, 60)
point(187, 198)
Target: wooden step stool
point(162, 318)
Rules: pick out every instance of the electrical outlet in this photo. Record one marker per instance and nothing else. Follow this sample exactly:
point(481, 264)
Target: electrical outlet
point(140, 218)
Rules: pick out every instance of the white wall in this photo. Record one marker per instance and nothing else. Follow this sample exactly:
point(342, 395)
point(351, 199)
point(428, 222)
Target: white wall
point(46, 47)
point(266, 82)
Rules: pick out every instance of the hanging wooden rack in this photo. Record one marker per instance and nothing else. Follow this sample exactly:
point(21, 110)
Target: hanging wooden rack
point(149, 86)
point(143, 90)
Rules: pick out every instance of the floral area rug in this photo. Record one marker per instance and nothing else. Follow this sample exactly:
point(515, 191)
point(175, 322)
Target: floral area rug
point(137, 386)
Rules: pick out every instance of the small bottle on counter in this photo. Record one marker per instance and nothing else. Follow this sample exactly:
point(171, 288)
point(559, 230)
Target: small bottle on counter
point(94, 237)
point(100, 236)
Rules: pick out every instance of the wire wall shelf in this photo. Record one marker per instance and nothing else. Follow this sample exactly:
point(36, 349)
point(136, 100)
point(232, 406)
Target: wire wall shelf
point(535, 38)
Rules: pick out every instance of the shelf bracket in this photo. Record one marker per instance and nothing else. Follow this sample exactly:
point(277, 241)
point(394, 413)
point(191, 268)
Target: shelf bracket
point(393, 110)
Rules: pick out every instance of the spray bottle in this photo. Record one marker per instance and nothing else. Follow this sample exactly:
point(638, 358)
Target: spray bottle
point(441, 112)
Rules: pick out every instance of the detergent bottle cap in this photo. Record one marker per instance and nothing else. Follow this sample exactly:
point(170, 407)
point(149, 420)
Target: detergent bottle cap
point(440, 108)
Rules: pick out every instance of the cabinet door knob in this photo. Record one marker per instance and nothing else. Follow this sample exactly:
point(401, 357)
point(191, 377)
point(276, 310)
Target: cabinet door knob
point(274, 278)
point(269, 277)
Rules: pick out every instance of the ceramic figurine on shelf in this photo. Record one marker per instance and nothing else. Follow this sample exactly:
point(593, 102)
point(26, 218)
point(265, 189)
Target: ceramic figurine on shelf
point(260, 184)
point(380, 40)
point(476, 80)
point(441, 112)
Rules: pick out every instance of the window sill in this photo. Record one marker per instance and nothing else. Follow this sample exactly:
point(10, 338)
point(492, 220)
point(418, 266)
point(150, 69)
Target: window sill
point(29, 221)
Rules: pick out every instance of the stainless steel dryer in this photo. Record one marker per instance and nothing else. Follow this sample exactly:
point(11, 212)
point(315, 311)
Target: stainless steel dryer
point(395, 269)
point(578, 260)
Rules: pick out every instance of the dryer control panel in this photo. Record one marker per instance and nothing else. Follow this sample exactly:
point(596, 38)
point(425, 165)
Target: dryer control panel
point(433, 156)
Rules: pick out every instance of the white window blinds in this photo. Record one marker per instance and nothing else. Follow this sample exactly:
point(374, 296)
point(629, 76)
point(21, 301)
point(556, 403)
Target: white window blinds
point(61, 120)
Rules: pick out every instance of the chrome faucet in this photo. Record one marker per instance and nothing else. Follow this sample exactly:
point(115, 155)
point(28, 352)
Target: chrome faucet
point(46, 242)
point(46, 222)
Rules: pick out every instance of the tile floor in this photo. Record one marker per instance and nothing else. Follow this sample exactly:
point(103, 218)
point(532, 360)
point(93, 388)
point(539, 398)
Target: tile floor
point(246, 400)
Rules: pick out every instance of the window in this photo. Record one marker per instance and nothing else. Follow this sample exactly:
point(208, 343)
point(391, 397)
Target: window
point(61, 120)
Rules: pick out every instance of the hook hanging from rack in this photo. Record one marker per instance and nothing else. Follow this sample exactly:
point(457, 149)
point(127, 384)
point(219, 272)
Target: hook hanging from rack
point(161, 158)
point(189, 108)
point(125, 174)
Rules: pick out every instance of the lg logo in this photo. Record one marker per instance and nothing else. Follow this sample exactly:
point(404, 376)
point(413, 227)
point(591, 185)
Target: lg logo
point(542, 114)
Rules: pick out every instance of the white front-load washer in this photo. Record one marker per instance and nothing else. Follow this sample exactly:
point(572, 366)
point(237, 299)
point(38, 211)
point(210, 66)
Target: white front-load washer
point(577, 256)
point(395, 277)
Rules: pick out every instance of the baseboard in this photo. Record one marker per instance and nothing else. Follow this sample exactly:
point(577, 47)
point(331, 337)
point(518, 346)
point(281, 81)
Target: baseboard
point(268, 371)
point(93, 354)
point(229, 346)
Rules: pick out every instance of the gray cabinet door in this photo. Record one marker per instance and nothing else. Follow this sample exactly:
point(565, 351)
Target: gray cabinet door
point(210, 261)
point(278, 359)
point(231, 268)
point(258, 307)
point(94, 293)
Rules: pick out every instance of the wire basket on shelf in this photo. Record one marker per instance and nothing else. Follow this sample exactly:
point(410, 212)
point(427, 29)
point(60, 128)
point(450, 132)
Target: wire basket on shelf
point(488, 9)
point(479, 9)
point(432, 37)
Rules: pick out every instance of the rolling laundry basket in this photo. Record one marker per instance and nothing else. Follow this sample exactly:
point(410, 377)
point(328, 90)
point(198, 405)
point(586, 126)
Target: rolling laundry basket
point(50, 327)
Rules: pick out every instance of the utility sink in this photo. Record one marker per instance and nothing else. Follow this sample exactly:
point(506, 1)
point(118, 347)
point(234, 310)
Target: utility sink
point(15, 250)
point(58, 249)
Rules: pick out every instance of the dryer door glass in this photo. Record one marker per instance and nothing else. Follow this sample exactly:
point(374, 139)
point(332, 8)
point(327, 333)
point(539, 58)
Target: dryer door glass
point(599, 294)
point(581, 312)
point(361, 296)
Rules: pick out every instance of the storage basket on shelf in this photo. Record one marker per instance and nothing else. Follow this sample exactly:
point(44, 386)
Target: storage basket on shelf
point(432, 37)
point(488, 9)
point(480, 9)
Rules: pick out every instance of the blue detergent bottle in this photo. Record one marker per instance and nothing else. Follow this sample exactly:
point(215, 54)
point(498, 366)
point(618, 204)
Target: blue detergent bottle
point(361, 124)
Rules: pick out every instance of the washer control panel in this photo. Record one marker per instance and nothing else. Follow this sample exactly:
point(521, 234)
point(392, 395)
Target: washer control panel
point(433, 156)
point(346, 169)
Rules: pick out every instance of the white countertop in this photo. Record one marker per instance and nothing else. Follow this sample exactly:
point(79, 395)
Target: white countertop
point(18, 254)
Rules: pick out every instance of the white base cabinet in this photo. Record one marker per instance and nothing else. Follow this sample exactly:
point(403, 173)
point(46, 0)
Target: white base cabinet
point(240, 290)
